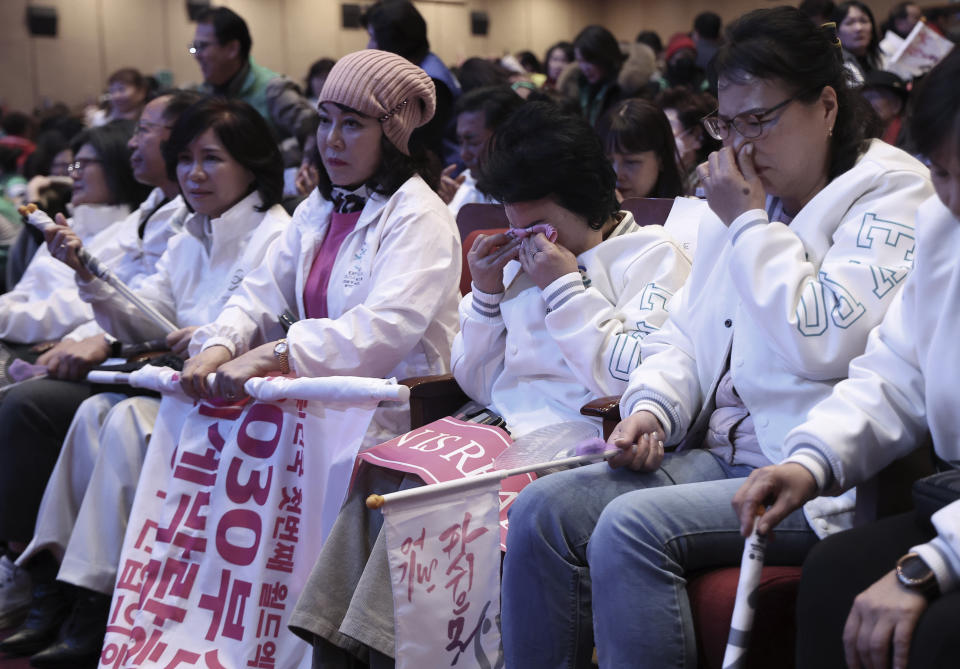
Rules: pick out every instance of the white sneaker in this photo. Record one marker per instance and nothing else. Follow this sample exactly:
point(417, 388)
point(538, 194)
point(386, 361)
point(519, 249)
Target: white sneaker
point(15, 593)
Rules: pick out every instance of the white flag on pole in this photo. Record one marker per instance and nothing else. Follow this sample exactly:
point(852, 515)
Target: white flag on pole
point(444, 555)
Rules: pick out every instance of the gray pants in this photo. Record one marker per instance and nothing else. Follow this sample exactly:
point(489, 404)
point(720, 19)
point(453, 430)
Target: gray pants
point(346, 607)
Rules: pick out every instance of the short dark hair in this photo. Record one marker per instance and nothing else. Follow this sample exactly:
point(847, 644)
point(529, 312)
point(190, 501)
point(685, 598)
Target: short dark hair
point(110, 143)
point(541, 152)
point(16, 123)
point(320, 68)
point(178, 101)
point(691, 106)
point(242, 131)
point(399, 28)
point(935, 116)
point(651, 39)
point(707, 25)
point(394, 169)
point(49, 144)
point(899, 10)
point(782, 44)
point(599, 47)
point(529, 61)
point(9, 157)
point(816, 9)
point(873, 48)
point(228, 26)
point(635, 126)
point(496, 103)
point(479, 72)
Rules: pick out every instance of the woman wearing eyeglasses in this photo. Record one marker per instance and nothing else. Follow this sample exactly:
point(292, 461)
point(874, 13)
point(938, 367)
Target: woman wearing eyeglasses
point(43, 306)
point(808, 237)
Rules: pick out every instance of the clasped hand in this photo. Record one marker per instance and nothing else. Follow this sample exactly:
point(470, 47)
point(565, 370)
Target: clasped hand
point(64, 245)
point(231, 373)
point(640, 440)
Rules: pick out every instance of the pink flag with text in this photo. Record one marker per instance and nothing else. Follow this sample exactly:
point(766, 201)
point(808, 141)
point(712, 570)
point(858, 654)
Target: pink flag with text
point(449, 449)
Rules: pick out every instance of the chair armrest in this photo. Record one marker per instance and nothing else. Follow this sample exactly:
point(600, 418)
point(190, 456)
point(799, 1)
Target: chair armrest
point(889, 491)
point(605, 408)
point(433, 397)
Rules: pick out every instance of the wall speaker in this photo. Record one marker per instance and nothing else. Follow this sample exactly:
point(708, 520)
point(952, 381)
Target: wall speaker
point(479, 23)
point(194, 7)
point(350, 15)
point(42, 20)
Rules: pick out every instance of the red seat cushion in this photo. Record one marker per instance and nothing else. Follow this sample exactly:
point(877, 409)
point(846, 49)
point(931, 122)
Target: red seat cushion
point(712, 594)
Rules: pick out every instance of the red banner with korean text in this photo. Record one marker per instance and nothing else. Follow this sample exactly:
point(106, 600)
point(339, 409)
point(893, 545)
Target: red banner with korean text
point(449, 449)
point(230, 514)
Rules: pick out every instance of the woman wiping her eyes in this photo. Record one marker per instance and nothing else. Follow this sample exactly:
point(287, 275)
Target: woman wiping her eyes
point(885, 594)
point(549, 325)
point(809, 236)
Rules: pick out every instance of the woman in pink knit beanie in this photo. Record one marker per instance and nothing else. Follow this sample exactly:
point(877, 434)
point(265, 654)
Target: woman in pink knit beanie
point(369, 267)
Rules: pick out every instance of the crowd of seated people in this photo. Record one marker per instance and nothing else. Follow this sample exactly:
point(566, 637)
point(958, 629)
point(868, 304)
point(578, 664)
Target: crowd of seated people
point(312, 232)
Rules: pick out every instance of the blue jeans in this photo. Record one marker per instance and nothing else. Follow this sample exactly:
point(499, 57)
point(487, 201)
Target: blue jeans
point(596, 553)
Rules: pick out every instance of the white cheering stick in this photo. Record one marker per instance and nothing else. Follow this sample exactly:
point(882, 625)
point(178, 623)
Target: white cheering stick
point(751, 566)
point(40, 220)
point(331, 390)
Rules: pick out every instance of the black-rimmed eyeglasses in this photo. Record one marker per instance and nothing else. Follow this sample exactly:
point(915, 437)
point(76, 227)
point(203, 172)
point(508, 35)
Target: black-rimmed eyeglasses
point(749, 124)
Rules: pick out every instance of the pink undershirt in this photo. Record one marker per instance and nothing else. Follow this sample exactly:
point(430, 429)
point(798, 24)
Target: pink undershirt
point(315, 288)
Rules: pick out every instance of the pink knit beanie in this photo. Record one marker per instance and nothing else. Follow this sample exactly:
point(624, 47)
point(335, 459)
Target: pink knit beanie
point(385, 86)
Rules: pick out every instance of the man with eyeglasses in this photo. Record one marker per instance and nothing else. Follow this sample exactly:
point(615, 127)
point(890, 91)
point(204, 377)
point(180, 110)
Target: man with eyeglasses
point(45, 407)
point(221, 46)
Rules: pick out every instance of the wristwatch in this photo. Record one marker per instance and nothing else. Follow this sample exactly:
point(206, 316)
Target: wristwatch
point(280, 353)
point(914, 573)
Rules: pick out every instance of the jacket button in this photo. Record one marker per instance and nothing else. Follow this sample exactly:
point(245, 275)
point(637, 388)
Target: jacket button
point(728, 323)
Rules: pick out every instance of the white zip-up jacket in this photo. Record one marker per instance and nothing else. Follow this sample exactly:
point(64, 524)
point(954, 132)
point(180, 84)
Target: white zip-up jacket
point(132, 257)
point(392, 295)
point(535, 357)
point(195, 277)
point(789, 306)
point(903, 385)
point(44, 306)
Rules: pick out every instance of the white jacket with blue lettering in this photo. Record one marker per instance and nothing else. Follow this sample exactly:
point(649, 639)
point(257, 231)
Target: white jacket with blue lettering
point(535, 357)
point(790, 306)
point(903, 385)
